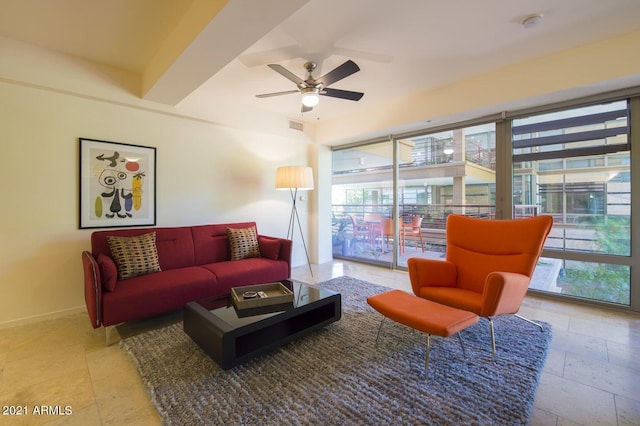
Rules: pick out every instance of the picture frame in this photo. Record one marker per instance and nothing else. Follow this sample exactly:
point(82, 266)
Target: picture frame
point(117, 184)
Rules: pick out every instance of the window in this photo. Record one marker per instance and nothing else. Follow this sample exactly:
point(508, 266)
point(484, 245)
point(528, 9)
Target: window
point(440, 173)
point(575, 166)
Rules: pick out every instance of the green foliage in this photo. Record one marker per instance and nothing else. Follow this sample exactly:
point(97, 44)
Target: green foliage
point(606, 282)
point(614, 237)
point(603, 281)
point(355, 197)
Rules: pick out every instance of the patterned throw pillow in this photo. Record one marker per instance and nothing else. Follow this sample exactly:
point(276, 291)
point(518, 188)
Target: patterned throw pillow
point(134, 255)
point(243, 243)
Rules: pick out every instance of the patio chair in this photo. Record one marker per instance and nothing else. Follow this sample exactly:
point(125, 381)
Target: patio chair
point(414, 229)
point(383, 231)
point(360, 229)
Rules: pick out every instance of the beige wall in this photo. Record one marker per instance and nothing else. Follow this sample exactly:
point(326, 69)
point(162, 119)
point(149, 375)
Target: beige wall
point(206, 173)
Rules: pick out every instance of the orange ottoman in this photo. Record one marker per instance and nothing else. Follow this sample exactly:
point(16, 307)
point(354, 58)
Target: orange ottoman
point(421, 314)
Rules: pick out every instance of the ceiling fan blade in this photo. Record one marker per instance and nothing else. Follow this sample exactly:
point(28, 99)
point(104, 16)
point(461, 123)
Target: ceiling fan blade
point(268, 95)
point(305, 109)
point(343, 71)
point(342, 94)
point(286, 73)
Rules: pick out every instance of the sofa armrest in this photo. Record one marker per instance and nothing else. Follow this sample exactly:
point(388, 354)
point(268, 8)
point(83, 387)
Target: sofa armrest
point(92, 288)
point(504, 293)
point(285, 252)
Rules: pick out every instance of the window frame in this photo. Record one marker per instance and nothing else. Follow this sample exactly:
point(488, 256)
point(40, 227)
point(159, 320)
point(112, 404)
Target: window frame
point(504, 178)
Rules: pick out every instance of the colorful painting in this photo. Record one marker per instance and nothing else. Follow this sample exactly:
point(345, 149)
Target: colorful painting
point(117, 184)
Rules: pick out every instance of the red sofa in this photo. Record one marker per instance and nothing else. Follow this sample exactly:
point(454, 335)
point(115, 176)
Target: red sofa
point(195, 263)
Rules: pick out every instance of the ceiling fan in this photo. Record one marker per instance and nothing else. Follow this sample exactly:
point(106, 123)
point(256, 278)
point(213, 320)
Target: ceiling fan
point(311, 88)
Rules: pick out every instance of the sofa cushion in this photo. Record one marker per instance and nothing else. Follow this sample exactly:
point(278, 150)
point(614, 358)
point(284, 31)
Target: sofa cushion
point(211, 243)
point(255, 270)
point(153, 294)
point(175, 248)
point(134, 255)
point(243, 243)
point(108, 272)
point(269, 247)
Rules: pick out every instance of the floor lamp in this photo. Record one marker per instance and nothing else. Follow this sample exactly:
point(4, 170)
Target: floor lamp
point(295, 178)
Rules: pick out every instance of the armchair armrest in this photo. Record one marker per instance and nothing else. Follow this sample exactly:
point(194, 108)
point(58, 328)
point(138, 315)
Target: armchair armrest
point(431, 273)
point(92, 288)
point(503, 293)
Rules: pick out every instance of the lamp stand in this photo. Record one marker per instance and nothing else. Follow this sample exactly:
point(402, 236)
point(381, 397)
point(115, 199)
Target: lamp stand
point(292, 219)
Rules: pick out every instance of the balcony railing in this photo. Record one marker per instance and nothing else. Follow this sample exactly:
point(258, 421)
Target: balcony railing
point(575, 232)
point(433, 222)
point(434, 215)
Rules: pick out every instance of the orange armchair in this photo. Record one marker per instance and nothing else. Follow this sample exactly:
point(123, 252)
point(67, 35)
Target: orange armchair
point(488, 266)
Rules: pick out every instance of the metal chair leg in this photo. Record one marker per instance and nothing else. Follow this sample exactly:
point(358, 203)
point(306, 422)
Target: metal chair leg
point(426, 357)
point(493, 337)
point(464, 352)
point(428, 350)
point(529, 321)
point(379, 330)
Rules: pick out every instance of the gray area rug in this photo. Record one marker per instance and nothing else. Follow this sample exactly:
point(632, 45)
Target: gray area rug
point(337, 376)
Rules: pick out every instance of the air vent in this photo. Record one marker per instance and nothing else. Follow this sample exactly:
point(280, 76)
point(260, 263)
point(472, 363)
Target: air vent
point(296, 125)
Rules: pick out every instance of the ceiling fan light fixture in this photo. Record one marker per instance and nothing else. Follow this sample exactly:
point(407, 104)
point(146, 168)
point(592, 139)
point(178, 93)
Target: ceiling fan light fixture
point(310, 97)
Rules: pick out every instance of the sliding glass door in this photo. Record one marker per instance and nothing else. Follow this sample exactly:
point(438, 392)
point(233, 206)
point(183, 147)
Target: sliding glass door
point(362, 203)
point(391, 198)
point(449, 172)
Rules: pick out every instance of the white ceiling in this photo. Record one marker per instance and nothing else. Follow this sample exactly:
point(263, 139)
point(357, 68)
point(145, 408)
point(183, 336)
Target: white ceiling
point(401, 46)
point(412, 45)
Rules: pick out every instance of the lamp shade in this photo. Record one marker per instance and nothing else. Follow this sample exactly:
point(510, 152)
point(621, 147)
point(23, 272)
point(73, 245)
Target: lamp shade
point(294, 177)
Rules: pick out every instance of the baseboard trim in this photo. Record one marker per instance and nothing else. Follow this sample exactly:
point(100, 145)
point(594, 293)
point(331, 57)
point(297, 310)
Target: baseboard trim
point(325, 260)
point(43, 317)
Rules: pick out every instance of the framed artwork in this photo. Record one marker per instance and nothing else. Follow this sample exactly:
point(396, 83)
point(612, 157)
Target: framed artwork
point(117, 184)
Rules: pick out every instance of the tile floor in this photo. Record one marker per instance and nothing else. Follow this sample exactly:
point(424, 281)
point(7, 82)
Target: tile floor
point(592, 374)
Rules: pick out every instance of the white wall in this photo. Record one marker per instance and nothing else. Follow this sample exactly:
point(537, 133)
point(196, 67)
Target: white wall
point(320, 209)
point(205, 174)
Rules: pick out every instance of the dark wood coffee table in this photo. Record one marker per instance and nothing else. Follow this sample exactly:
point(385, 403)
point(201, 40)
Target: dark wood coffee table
point(231, 340)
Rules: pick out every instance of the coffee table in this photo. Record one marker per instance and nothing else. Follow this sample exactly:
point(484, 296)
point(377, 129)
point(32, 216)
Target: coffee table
point(230, 340)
